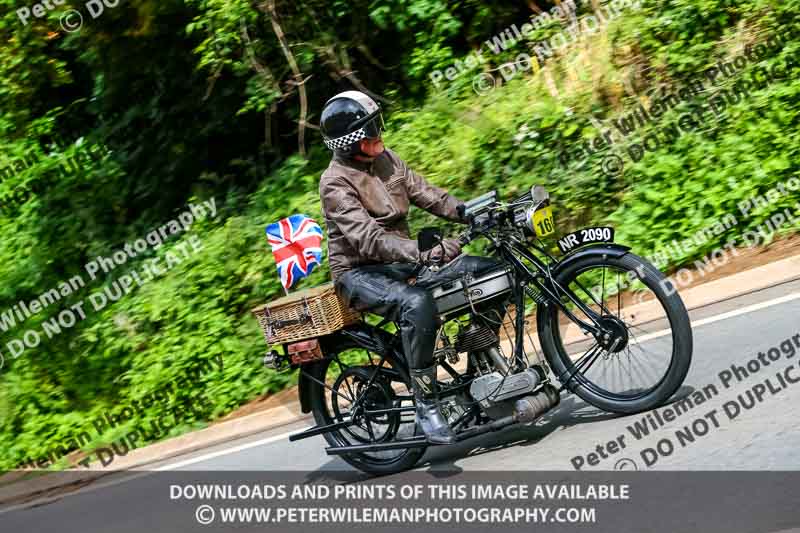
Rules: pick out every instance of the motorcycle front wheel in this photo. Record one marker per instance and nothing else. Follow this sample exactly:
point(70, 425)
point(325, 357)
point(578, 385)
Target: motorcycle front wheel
point(645, 358)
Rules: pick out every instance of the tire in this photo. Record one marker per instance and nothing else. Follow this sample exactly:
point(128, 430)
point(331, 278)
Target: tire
point(364, 462)
point(676, 316)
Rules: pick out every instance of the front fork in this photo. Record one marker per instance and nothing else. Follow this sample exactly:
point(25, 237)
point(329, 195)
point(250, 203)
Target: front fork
point(546, 296)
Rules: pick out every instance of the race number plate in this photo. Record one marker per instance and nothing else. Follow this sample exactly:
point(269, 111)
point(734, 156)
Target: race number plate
point(585, 236)
point(543, 221)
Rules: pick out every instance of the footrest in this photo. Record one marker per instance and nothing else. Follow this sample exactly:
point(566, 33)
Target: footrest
point(414, 442)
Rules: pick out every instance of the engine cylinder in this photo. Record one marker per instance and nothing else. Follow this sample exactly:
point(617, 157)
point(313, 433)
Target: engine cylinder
point(475, 338)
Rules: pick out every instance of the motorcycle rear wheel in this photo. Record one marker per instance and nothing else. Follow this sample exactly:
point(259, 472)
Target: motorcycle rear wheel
point(391, 387)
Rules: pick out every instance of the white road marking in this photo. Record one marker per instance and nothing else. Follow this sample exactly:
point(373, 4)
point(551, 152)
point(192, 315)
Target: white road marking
point(697, 323)
point(103, 485)
point(725, 316)
point(235, 449)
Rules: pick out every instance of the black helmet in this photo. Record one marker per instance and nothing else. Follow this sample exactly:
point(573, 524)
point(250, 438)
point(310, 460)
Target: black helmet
point(347, 118)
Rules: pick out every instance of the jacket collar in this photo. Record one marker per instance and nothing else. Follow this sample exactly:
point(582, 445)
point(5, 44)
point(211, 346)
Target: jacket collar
point(363, 166)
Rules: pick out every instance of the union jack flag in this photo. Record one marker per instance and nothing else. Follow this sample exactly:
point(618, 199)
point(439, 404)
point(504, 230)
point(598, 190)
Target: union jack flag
point(296, 243)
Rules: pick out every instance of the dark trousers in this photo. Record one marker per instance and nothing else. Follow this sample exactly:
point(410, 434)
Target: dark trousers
point(383, 289)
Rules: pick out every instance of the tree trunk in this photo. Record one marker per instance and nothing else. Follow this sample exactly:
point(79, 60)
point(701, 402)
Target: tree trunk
point(268, 7)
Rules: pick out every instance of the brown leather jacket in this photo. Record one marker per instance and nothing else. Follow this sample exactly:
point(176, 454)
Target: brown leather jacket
point(365, 207)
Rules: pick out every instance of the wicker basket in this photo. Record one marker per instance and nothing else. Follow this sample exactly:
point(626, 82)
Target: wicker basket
point(305, 314)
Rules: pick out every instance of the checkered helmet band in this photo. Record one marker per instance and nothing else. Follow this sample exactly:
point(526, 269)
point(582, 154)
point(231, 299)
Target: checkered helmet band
point(346, 140)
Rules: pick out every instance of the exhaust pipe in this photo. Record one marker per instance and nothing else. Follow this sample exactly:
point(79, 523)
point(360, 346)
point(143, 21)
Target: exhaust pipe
point(529, 408)
point(526, 409)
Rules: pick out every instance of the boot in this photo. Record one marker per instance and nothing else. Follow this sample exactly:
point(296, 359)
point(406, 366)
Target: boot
point(430, 418)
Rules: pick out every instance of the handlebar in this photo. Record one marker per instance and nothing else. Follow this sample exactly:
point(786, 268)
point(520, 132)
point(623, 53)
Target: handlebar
point(477, 209)
point(527, 197)
point(477, 205)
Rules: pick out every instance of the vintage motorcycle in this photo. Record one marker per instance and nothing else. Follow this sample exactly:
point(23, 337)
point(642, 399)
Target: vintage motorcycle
point(611, 328)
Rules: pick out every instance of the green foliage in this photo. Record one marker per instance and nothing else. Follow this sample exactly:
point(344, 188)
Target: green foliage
point(181, 116)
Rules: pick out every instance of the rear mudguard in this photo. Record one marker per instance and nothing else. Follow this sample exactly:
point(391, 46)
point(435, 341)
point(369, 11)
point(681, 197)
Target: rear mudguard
point(360, 335)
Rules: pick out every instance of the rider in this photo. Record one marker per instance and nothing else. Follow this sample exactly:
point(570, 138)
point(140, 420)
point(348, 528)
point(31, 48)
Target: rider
point(365, 193)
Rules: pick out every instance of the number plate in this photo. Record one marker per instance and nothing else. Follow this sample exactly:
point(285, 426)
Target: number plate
point(543, 221)
point(585, 236)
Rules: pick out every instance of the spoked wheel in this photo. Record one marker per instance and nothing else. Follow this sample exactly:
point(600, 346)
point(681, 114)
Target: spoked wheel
point(369, 401)
point(644, 352)
point(375, 395)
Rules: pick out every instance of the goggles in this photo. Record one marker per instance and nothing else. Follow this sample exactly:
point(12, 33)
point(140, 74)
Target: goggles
point(372, 125)
point(369, 127)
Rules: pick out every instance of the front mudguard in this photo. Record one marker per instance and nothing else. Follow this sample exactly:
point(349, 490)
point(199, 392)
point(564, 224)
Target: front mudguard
point(571, 261)
point(579, 254)
point(359, 335)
